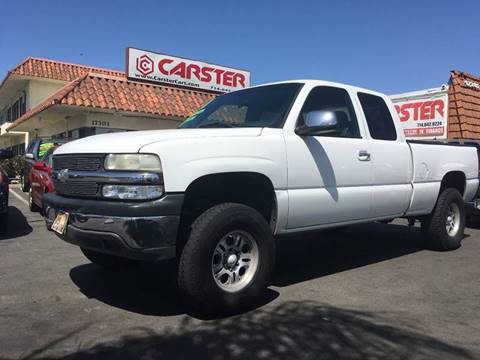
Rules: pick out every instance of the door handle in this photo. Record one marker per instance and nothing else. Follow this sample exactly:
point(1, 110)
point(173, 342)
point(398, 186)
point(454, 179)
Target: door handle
point(363, 155)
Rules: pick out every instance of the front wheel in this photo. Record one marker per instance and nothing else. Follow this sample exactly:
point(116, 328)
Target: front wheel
point(227, 261)
point(31, 204)
point(25, 186)
point(445, 226)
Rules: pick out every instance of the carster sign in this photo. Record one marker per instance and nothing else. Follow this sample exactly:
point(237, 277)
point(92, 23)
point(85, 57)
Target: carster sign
point(167, 69)
point(423, 114)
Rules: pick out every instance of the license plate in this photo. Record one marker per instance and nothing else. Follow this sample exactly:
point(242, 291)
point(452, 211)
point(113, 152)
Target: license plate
point(60, 223)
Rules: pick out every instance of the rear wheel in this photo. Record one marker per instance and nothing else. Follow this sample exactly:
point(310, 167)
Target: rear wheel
point(445, 226)
point(107, 261)
point(226, 263)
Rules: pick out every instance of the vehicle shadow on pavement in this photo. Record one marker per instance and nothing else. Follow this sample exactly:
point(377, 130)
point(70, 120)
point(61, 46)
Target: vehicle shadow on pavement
point(293, 330)
point(17, 224)
point(149, 289)
point(473, 222)
point(313, 255)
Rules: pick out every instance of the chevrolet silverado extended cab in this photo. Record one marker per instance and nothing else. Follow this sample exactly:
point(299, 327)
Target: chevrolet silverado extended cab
point(275, 159)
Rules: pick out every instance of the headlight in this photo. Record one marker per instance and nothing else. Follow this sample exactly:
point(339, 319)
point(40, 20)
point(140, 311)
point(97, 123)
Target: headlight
point(132, 192)
point(142, 162)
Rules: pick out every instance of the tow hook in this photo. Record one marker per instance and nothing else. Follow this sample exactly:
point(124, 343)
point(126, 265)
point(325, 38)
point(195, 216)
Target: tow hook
point(476, 203)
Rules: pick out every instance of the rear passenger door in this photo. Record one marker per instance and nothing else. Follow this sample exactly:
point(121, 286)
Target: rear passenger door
point(390, 157)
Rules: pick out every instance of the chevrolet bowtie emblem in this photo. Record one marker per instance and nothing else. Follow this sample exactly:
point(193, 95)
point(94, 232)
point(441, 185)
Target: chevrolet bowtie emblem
point(63, 175)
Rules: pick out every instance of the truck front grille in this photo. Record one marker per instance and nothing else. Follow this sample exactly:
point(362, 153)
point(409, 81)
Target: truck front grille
point(83, 162)
point(77, 188)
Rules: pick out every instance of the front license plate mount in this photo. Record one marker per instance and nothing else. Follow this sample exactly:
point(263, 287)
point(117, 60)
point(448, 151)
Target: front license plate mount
point(60, 223)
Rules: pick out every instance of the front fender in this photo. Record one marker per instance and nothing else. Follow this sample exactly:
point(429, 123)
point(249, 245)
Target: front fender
point(186, 160)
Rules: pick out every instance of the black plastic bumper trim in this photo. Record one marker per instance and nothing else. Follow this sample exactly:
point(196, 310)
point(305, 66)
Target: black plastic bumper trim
point(111, 243)
point(169, 204)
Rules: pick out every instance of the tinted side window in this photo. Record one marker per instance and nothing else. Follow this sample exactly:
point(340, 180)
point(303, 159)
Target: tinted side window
point(379, 119)
point(47, 158)
point(30, 147)
point(336, 100)
point(44, 147)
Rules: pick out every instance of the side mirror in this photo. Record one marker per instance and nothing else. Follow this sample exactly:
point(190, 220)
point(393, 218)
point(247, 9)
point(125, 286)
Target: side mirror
point(29, 156)
point(40, 165)
point(6, 154)
point(318, 123)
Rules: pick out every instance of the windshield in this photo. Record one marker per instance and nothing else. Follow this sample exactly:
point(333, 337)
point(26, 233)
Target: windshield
point(264, 106)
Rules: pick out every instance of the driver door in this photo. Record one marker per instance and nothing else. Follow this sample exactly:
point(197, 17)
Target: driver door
point(329, 176)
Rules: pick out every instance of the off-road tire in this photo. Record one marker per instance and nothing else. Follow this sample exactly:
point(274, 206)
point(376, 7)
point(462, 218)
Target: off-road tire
point(434, 228)
point(107, 261)
point(195, 279)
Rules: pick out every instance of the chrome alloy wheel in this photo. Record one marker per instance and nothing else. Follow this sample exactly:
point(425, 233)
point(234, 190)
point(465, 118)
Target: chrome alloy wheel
point(235, 260)
point(452, 222)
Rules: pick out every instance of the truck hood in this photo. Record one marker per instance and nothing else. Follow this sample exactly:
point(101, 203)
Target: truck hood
point(131, 142)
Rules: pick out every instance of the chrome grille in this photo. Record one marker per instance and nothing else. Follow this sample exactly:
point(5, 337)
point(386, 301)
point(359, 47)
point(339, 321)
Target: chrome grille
point(77, 188)
point(78, 162)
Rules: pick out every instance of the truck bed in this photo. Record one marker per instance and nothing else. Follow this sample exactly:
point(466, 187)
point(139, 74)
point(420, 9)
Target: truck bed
point(448, 142)
point(433, 159)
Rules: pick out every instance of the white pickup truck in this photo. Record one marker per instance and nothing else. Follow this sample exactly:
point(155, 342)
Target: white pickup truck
point(275, 159)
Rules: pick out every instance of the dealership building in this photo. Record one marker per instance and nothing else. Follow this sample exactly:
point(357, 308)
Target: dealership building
point(451, 111)
point(48, 98)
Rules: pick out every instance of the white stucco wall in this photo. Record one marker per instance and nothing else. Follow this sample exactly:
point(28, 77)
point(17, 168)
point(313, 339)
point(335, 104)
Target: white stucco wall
point(39, 90)
point(53, 123)
point(61, 119)
point(129, 122)
point(11, 139)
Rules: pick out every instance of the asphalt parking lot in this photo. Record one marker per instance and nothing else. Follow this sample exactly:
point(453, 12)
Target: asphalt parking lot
point(368, 291)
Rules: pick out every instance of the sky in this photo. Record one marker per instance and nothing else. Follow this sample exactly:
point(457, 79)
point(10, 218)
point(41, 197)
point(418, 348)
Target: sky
point(388, 46)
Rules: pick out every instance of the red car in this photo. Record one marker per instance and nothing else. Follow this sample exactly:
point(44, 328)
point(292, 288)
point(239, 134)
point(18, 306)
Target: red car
point(40, 180)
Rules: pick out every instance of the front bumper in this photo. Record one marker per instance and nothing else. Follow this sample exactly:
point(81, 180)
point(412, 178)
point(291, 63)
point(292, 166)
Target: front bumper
point(139, 230)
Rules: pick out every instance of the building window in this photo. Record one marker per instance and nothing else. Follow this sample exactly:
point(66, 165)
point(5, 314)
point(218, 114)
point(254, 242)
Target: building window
point(18, 149)
point(17, 109)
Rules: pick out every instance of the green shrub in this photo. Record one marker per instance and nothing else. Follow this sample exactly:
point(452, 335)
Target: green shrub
point(13, 167)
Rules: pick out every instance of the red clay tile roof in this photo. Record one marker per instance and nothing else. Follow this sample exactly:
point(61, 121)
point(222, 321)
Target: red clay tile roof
point(463, 107)
point(57, 70)
point(116, 93)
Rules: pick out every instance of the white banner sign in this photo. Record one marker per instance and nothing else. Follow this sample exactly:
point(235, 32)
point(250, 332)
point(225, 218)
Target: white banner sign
point(166, 69)
point(425, 117)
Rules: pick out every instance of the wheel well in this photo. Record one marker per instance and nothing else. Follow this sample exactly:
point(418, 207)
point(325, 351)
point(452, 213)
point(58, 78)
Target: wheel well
point(248, 188)
point(455, 180)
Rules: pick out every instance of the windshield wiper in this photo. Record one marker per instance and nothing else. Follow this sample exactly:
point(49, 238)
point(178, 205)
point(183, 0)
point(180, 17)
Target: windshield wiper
point(217, 124)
